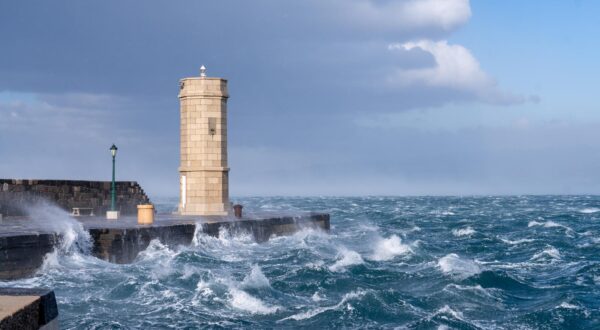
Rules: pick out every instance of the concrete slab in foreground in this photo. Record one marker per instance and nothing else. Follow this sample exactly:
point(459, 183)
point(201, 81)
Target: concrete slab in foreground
point(22, 308)
point(24, 242)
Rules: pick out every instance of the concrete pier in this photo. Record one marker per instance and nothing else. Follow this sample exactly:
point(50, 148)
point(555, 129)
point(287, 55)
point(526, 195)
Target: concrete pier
point(22, 308)
point(24, 242)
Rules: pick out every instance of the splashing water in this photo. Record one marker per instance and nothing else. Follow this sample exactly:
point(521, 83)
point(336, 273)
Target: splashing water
point(51, 218)
point(455, 265)
point(389, 248)
point(419, 262)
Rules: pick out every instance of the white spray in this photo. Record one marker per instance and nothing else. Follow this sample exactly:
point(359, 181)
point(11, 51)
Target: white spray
point(51, 218)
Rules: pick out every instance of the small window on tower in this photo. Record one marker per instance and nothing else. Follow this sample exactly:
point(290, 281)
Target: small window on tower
point(212, 126)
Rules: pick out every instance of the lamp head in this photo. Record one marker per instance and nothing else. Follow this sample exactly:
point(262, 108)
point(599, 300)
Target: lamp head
point(113, 150)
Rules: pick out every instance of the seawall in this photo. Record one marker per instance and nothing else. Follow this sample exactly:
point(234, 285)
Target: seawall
point(23, 245)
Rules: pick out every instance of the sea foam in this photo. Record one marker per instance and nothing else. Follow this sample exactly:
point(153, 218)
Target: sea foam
point(388, 248)
point(314, 312)
point(463, 232)
point(589, 210)
point(517, 241)
point(549, 251)
point(346, 258)
point(256, 279)
point(456, 266)
point(243, 301)
point(548, 224)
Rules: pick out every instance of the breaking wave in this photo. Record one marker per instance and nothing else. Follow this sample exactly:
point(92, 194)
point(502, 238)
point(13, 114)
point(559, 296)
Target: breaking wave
point(454, 265)
point(389, 248)
point(589, 210)
point(346, 258)
point(388, 262)
point(243, 301)
point(314, 312)
point(463, 232)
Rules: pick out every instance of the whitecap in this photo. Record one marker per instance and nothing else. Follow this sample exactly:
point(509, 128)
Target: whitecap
point(518, 241)
point(454, 265)
point(256, 279)
point(589, 210)
point(346, 258)
point(156, 251)
point(314, 312)
point(317, 265)
point(316, 297)
point(243, 301)
point(388, 248)
point(447, 310)
point(534, 223)
point(550, 251)
point(203, 289)
point(549, 224)
point(463, 232)
point(567, 305)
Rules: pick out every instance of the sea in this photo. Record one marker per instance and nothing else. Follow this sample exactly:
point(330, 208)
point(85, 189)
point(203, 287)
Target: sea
point(496, 262)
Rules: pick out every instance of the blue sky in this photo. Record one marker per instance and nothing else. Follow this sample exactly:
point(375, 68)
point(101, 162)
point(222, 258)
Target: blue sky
point(352, 97)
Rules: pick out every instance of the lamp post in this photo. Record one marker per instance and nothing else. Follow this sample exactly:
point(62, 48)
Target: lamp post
point(113, 152)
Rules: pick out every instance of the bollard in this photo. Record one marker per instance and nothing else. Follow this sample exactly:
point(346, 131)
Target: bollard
point(145, 214)
point(237, 210)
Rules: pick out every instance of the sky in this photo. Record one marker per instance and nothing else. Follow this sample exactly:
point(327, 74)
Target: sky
point(328, 97)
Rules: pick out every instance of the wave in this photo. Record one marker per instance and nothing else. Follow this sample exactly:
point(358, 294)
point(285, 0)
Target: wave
point(74, 241)
point(203, 289)
point(549, 251)
point(456, 266)
point(244, 301)
point(388, 248)
point(518, 241)
point(256, 279)
point(589, 210)
point(463, 232)
point(346, 258)
point(449, 311)
point(570, 306)
point(314, 312)
point(442, 213)
point(477, 289)
point(548, 224)
point(316, 297)
point(73, 238)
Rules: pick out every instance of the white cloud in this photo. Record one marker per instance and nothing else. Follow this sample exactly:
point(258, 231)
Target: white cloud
point(455, 69)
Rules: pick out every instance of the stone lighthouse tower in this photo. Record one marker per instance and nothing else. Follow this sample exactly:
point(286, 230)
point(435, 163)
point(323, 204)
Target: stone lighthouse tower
point(204, 184)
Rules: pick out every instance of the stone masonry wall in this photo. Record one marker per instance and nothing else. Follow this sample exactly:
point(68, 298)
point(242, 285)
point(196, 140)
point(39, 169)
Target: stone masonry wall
point(17, 195)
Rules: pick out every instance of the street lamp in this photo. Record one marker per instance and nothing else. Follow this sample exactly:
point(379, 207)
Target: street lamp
point(113, 152)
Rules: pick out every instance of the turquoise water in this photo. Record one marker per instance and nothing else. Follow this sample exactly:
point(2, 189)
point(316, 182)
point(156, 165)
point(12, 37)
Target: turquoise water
point(414, 262)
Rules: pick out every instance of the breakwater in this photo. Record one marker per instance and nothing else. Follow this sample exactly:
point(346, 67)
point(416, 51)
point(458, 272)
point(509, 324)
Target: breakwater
point(25, 241)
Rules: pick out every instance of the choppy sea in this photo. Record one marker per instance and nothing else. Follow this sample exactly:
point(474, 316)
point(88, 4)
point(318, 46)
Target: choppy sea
point(520, 262)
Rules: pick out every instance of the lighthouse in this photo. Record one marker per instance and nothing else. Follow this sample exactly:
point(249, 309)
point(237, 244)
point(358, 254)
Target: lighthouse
point(204, 174)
